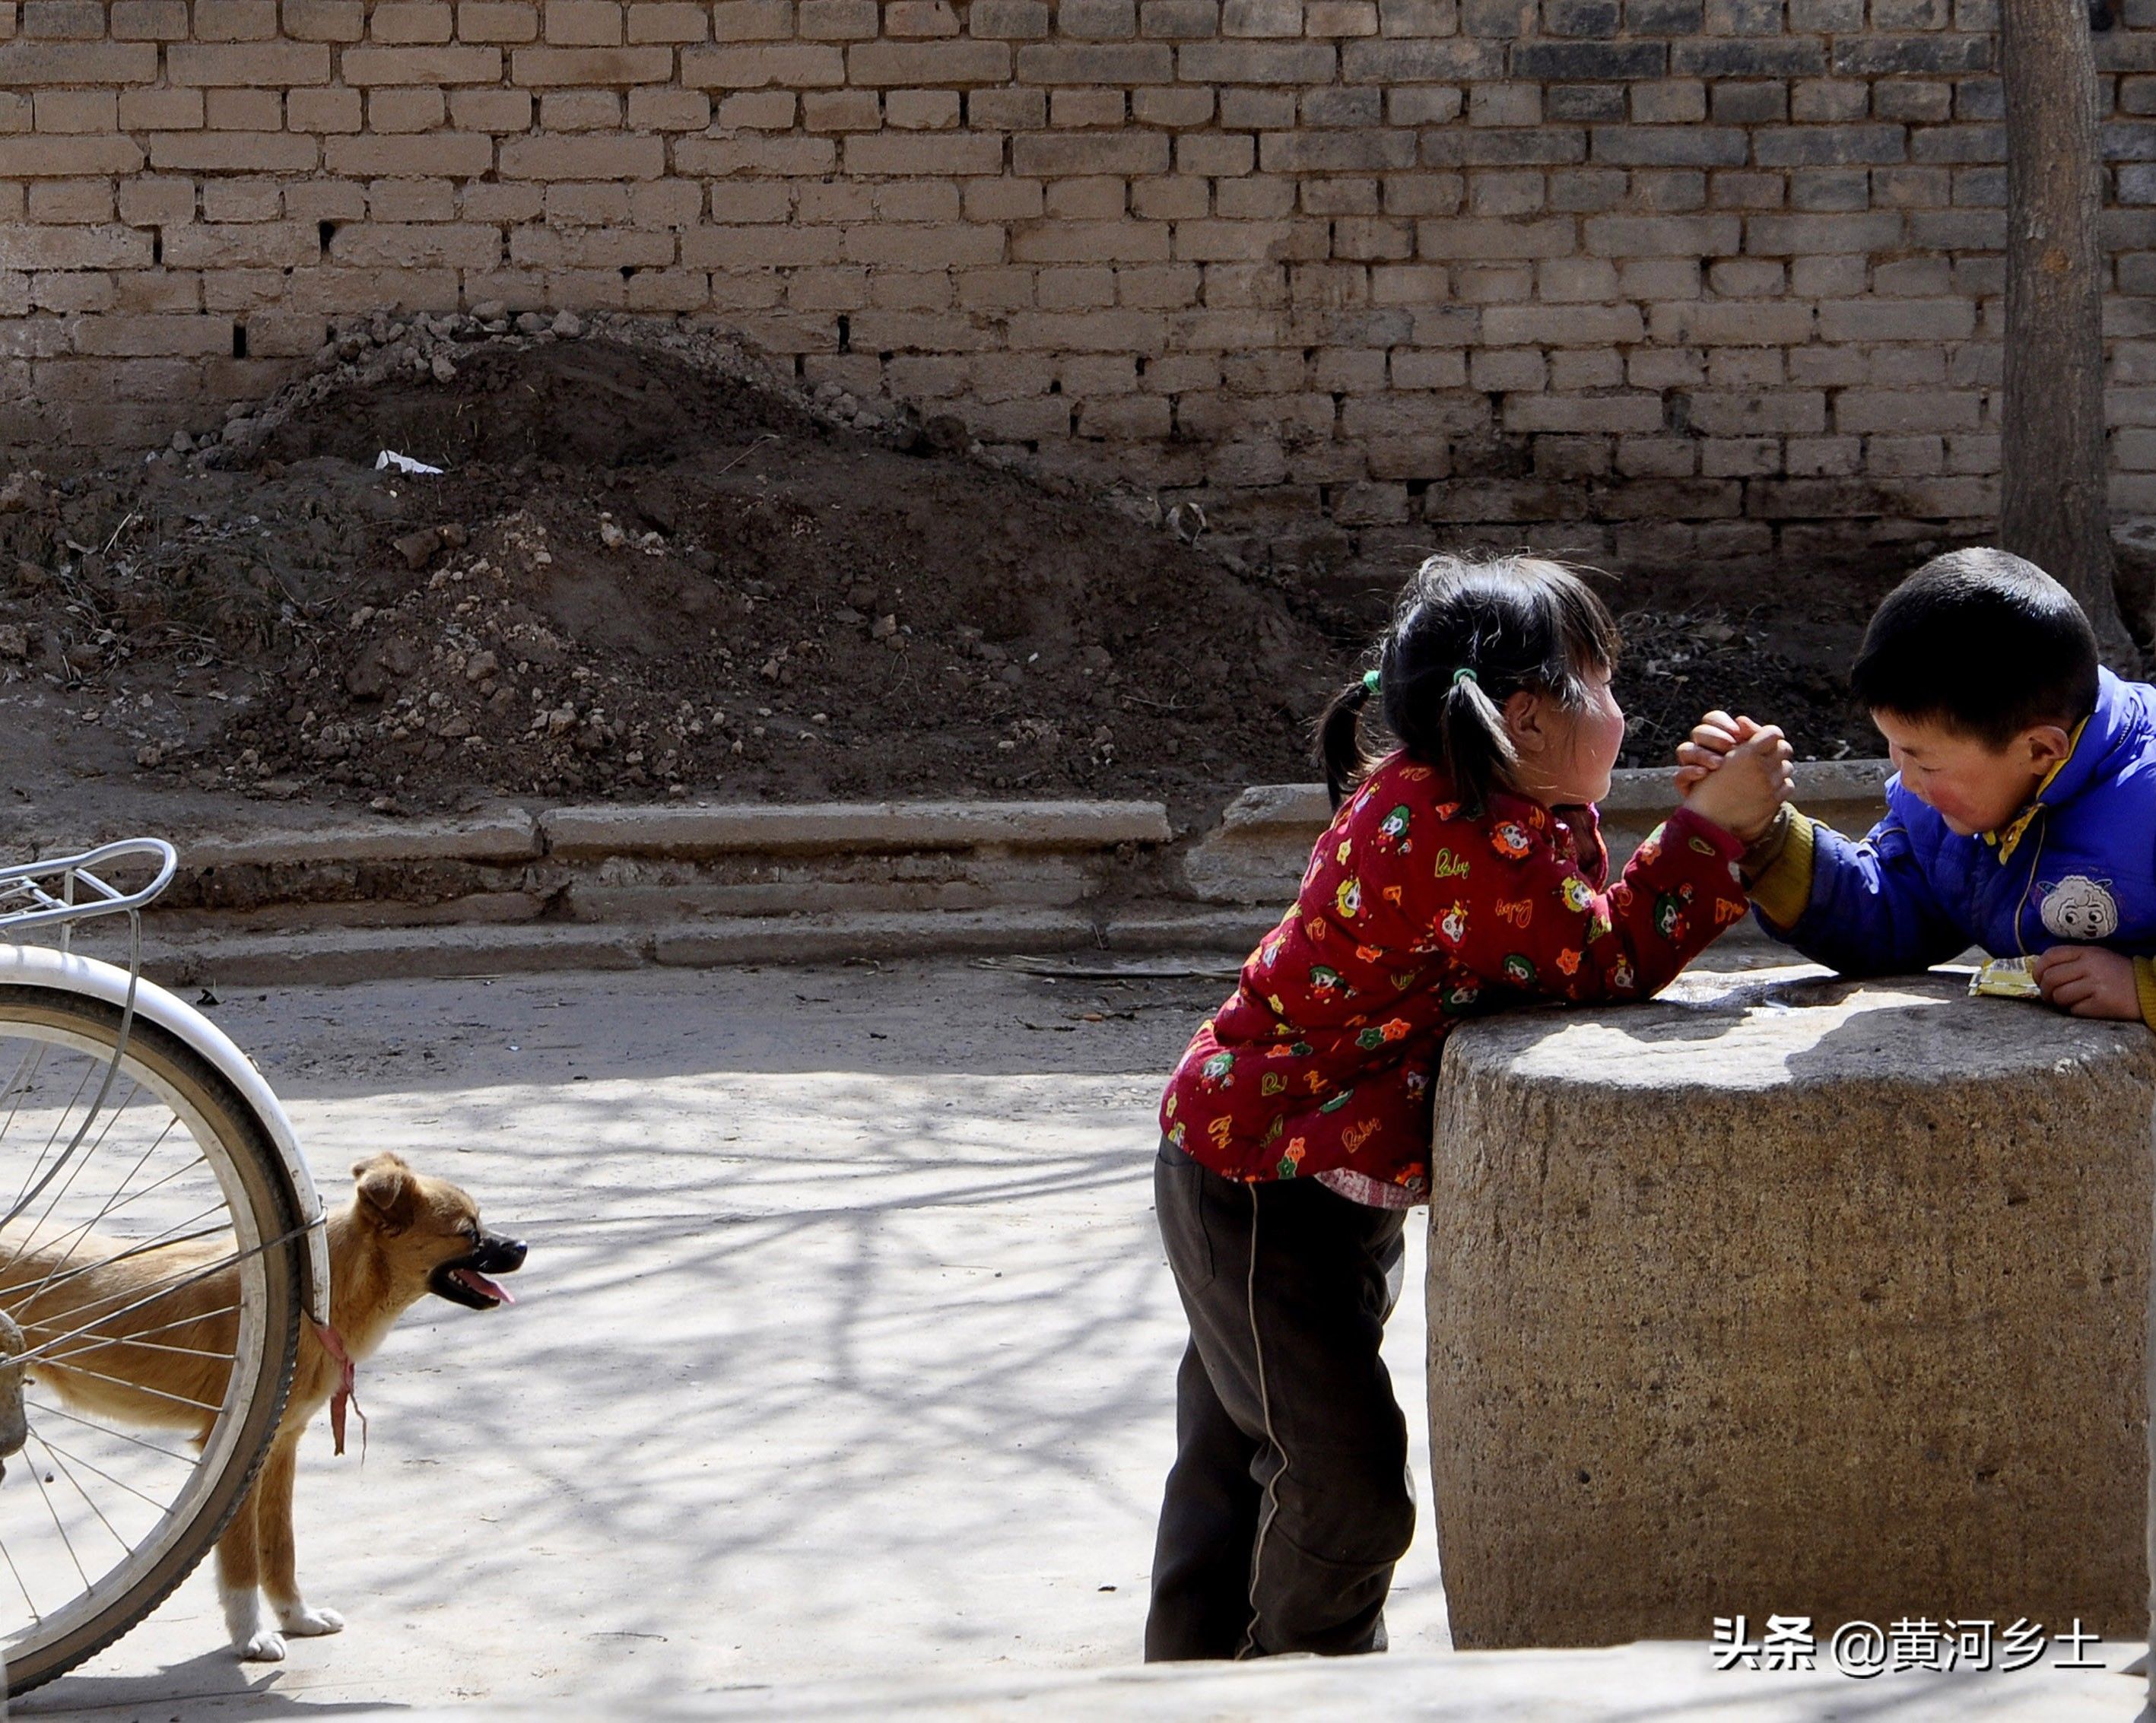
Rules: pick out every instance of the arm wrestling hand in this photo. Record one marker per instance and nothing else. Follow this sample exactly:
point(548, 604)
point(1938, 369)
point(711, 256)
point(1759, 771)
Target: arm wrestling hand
point(2088, 981)
point(1711, 739)
point(1746, 791)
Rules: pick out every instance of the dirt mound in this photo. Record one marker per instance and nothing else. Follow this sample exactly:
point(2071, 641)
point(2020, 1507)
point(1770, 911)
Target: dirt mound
point(647, 570)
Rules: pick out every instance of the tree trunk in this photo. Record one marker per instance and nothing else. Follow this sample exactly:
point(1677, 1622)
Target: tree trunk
point(2054, 506)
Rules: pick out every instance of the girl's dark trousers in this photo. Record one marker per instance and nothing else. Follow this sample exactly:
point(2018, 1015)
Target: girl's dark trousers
point(1289, 1501)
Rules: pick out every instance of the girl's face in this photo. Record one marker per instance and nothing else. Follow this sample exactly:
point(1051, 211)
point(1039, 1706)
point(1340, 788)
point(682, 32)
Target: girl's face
point(1566, 753)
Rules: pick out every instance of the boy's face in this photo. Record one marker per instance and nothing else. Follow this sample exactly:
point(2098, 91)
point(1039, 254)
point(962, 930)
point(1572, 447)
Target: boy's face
point(1972, 786)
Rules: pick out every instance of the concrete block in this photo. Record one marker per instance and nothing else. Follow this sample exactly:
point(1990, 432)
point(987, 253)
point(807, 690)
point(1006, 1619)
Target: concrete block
point(1787, 1295)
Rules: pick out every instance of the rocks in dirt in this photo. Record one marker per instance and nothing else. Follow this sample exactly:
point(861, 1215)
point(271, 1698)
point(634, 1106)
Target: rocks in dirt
point(480, 666)
point(418, 548)
point(21, 493)
point(14, 641)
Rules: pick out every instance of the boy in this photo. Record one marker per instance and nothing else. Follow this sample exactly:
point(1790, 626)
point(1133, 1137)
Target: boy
point(2023, 818)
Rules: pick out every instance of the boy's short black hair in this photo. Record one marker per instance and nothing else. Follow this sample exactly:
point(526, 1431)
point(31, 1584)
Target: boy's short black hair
point(1983, 642)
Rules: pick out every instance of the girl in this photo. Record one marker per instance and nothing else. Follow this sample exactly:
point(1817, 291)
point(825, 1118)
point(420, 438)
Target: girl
point(1464, 873)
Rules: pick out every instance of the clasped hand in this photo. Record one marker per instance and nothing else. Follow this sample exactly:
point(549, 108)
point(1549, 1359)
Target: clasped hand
point(1736, 773)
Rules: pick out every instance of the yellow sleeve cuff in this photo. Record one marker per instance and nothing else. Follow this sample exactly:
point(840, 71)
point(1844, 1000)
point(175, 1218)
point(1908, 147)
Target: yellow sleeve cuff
point(2145, 988)
point(1784, 889)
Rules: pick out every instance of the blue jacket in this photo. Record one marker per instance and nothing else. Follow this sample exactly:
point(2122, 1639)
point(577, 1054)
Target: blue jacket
point(2079, 870)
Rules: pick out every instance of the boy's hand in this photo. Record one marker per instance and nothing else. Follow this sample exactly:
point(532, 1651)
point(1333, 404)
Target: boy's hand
point(1712, 738)
point(1745, 789)
point(2087, 980)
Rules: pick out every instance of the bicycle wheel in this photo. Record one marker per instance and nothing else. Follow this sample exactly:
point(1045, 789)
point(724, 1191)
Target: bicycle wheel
point(151, 1255)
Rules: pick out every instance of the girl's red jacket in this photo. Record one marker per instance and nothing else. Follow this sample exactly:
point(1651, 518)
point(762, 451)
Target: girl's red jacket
point(1412, 917)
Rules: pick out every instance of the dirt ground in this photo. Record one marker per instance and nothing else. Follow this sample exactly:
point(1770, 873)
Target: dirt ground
point(646, 572)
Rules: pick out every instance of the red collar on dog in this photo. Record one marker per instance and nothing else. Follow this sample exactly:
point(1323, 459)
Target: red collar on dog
point(348, 1374)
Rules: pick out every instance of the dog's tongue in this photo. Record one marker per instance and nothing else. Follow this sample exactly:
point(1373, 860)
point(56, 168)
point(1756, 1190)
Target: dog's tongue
point(479, 1283)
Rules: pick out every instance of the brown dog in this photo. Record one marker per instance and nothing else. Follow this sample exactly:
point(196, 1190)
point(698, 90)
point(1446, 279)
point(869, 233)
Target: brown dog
point(402, 1236)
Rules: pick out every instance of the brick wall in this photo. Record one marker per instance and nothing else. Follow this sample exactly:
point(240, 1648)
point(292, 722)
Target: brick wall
point(1663, 278)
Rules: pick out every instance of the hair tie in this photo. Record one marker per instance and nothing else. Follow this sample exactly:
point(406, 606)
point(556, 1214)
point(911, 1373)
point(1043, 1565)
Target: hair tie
point(1369, 681)
point(1466, 674)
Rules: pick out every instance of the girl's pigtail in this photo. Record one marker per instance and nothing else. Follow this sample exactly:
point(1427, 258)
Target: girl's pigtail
point(1479, 755)
point(1340, 748)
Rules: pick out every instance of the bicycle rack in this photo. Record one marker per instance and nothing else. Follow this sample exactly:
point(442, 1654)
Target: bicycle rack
point(46, 894)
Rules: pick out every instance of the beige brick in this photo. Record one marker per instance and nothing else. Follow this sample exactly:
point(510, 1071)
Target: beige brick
point(489, 203)
point(14, 111)
point(888, 154)
point(758, 110)
point(63, 157)
point(233, 152)
point(753, 20)
point(928, 63)
point(657, 109)
point(666, 203)
point(150, 201)
point(841, 111)
point(325, 20)
point(1215, 155)
point(921, 109)
point(1262, 18)
point(923, 17)
point(800, 65)
point(75, 109)
point(243, 109)
point(999, 200)
point(27, 247)
point(846, 20)
point(495, 21)
point(161, 111)
point(1049, 155)
point(422, 65)
point(61, 20)
point(75, 290)
point(751, 204)
point(235, 20)
point(580, 110)
point(1732, 323)
point(723, 247)
point(248, 66)
point(583, 23)
point(411, 200)
point(391, 109)
point(32, 62)
point(460, 154)
point(1171, 199)
point(412, 21)
point(1086, 107)
point(584, 67)
point(750, 155)
point(1178, 106)
point(322, 110)
point(149, 20)
point(667, 21)
point(490, 109)
point(70, 200)
point(1007, 110)
point(453, 245)
point(1341, 17)
point(1088, 200)
point(255, 245)
point(954, 245)
point(598, 205)
point(549, 158)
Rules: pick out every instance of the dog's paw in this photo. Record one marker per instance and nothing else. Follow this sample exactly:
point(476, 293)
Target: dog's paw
point(266, 1647)
point(302, 1622)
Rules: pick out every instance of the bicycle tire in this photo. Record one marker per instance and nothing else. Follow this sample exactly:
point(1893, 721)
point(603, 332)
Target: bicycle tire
point(255, 1184)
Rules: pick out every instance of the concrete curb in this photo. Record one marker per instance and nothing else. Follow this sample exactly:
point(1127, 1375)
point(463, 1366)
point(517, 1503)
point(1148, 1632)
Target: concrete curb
point(518, 890)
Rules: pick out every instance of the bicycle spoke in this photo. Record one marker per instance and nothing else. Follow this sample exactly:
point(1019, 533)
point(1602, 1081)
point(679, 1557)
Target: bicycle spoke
point(138, 1388)
point(77, 1484)
point(46, 1409)
point(59, 1525)
point(29, 1601)
point(117, 1483)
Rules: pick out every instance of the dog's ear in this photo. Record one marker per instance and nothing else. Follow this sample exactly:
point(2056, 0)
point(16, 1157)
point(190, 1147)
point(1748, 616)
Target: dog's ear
point(387, 1192)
